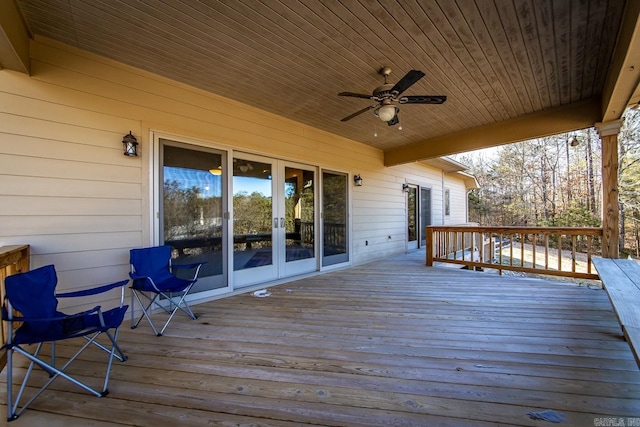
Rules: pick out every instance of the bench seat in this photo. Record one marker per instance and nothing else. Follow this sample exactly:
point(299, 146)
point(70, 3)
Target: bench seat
point(621, 280)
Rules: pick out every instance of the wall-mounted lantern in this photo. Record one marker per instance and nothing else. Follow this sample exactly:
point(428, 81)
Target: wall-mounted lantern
point(574, 142)
point(130, 145)
point(405, 187)
point(357, 179)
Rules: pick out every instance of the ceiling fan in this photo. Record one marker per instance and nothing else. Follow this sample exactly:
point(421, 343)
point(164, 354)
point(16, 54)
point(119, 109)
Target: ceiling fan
point(387, 95)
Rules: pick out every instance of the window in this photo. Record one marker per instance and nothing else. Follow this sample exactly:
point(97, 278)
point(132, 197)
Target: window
point(447, 202)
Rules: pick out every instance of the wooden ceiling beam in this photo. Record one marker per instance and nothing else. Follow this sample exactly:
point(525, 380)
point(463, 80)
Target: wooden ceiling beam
point(14, 39)
point(552, 121)
point(621, 85)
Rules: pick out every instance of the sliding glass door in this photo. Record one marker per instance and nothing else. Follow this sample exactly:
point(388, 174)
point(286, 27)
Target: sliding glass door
point(192, 202)
point(253, 219)
point(412, 217)
point(335, 243)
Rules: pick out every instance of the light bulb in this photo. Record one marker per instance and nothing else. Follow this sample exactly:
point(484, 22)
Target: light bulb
point(400, 127)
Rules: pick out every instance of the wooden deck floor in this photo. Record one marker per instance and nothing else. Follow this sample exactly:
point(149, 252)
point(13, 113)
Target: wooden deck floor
point(388, 343)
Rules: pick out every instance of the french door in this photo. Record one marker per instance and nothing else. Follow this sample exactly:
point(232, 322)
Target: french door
point(274, 221)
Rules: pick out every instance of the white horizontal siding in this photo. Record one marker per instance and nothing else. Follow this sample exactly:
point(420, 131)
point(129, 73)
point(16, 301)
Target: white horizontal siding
point(67, 190)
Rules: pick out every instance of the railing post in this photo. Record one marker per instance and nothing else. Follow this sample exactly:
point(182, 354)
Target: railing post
point(429, 249)
point(13, 259)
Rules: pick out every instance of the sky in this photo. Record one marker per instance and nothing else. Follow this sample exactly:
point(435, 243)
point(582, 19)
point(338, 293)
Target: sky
point(211, 185)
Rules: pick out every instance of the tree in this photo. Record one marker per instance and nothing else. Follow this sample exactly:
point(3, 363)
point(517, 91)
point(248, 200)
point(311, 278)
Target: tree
point(552, 182)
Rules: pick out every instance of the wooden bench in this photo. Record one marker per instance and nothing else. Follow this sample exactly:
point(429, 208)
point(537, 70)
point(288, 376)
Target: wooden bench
point(621, 280)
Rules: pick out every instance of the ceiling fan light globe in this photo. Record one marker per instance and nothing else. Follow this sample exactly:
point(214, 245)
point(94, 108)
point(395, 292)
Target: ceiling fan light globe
point(386, 112)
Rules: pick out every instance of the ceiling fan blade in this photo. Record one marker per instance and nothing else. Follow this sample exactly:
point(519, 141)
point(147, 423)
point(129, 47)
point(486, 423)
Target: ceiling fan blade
point(393, 121)
point(355, 95)
point(422, 99)
point(357, 113)
point(409, 79)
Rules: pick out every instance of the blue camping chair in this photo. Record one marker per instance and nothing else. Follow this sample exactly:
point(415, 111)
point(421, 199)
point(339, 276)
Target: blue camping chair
point(32, 294)
point(153, 280)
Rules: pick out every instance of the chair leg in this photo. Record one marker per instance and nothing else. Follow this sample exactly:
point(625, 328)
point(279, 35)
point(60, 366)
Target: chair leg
point(145, 311)
point(114, 347)
point(120, 354)
point(171, 311)
point(180, 305)
point(12, 409)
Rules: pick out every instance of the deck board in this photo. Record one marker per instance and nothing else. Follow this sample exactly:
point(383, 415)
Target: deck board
point(387, 343)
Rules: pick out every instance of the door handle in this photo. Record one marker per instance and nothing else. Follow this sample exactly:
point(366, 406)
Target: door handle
point(275, 222)
point(281, 222)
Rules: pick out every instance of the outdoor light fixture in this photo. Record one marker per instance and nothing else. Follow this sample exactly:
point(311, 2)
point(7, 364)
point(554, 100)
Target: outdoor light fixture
point(574, 142)
point(130, 145)
point(405, 187)
point(357, 179)
point(386, 112)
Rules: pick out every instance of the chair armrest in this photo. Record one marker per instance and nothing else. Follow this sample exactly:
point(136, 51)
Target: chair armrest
point(188, 266)
point(195, 266)
point(93, 291)
point(48, 319)
point(135, 276)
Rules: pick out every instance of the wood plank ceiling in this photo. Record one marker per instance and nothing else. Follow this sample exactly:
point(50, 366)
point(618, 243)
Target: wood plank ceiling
point(495, 60)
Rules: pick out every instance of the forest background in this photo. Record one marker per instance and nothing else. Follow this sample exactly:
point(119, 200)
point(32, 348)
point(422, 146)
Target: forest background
point(557, 181)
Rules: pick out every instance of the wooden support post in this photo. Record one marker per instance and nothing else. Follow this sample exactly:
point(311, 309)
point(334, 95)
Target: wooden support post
point(610, 210)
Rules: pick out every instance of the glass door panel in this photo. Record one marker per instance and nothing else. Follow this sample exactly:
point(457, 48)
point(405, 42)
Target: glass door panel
point(298, 210)
point(425, 212)
point(254, 219)
point(335, 245)
point(191, 211)
point(412, 217)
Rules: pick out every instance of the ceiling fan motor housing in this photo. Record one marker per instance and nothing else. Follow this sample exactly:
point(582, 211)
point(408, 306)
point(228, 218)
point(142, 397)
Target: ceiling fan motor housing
point(383, 93)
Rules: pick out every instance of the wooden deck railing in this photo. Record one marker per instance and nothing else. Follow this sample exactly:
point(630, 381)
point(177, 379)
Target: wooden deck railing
point(544, 250)
point(13, 259)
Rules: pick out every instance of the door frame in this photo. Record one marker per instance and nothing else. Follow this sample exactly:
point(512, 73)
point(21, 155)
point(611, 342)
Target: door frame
point(155, 171)
point(412, 244)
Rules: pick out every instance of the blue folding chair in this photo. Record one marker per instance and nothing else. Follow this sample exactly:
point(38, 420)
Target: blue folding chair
point(32, 295)
point(154, 281)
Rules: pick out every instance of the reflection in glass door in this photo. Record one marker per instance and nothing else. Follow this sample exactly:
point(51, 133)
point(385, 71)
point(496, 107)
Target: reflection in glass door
point(412, 217)
point(335, 245)
point(298, 210)
point(425, 213)
point(254, 220)
point(192, 202)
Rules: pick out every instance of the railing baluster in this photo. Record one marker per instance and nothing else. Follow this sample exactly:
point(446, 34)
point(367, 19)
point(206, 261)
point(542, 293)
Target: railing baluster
point(573, 253)
point(533, 255)
point(589, 249)
point(546, 251)
point(559, 252)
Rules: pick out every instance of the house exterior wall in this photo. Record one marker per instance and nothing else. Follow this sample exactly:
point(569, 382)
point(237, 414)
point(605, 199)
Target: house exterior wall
point(458, 200)
point(68, 191)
